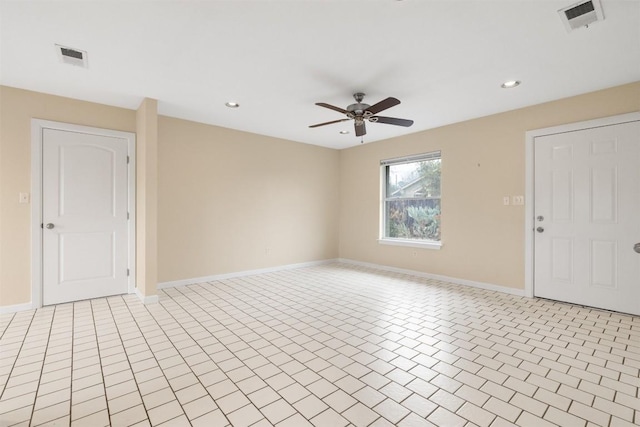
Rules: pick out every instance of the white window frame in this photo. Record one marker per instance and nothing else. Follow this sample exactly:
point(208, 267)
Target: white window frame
point(425, 244)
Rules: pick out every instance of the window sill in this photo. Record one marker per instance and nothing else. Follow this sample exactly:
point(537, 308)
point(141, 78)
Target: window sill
point(411, 243)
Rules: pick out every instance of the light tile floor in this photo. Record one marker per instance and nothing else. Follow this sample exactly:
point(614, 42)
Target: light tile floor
point(333, 345)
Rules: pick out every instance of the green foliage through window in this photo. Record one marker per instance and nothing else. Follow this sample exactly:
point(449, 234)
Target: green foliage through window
point(412, 199)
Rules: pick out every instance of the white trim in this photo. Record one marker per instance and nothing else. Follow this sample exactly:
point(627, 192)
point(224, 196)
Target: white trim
point(529, 207)
point(151, 299)
point(8, 309)
point(131, 153)
point(424, 244)
point(215, 277)
point(37, 127)
point(432, 155)
point(464, 282)
point(36, 212)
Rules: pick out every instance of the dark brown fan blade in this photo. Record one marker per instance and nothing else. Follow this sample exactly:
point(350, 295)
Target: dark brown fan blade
point(360, 129)
point(392, 121)
point(332, 107)
point(383, 105)
point(329, 123)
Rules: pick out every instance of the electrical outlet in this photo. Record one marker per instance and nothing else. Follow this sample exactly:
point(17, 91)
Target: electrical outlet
point(518, 200)
point(505, 200)
point(24, 198)
point(414, 253)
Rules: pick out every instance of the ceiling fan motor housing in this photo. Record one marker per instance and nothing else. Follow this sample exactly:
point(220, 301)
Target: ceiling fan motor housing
point(359, 109)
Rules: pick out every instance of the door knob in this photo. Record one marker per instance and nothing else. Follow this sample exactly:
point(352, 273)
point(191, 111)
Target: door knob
point(49, 226)
point(636, 247)
point(540, 229)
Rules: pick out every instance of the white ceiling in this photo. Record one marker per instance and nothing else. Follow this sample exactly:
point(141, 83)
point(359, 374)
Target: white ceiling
point(445, 60)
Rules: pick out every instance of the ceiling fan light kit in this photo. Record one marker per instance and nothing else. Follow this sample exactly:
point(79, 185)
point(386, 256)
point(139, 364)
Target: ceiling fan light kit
point(360, 112)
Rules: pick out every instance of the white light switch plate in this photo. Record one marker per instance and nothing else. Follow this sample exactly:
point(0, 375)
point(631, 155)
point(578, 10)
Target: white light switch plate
point(24, 198)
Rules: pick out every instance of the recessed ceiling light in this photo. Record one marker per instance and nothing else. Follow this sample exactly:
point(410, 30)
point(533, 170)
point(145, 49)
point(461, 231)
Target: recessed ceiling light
point(232, 104)
point(344, 132)
point(510, 84)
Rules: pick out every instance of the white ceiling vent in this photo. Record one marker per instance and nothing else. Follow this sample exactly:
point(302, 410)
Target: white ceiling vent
point(69, 55)
point(581, 14)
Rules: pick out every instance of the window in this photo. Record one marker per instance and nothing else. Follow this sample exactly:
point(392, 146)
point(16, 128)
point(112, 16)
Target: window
point(411, 198)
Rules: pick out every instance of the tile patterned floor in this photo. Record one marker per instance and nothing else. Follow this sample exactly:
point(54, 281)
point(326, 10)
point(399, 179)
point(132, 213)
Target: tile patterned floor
point(333, 345)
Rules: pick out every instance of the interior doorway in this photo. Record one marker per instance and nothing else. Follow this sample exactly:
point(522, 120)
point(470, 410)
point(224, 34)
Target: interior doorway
point(585, 216)
point(83, 214)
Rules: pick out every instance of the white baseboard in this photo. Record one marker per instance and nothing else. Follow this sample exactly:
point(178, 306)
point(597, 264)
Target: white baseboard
point(204, 279)
point(7, 309)
point(151, 299)
point(464, 282)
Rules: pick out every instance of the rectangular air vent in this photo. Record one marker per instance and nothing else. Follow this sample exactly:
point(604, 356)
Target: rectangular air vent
point(581, 14)
point(72, 56)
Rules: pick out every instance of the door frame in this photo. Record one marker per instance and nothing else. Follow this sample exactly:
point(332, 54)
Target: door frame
point(37, 132)
point(529, 206)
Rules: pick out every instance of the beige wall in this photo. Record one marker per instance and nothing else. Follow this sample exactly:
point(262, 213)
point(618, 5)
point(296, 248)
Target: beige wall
point(232, 201)
point(147, 197)
point(227, 201)
point(483, 160)
point(17, 108)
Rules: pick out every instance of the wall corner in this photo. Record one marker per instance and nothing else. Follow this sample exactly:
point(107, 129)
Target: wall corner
point(147, 199)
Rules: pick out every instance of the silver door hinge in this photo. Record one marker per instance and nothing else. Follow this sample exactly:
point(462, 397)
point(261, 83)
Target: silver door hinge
point(127, 271)
point(127, 159)
point(127, 215)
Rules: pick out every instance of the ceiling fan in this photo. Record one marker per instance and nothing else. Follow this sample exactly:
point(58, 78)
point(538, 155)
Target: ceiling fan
point(360, 112)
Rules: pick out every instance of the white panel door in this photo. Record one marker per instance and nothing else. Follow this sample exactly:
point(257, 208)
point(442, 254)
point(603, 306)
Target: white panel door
point(84, 211)
point(587, 207)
